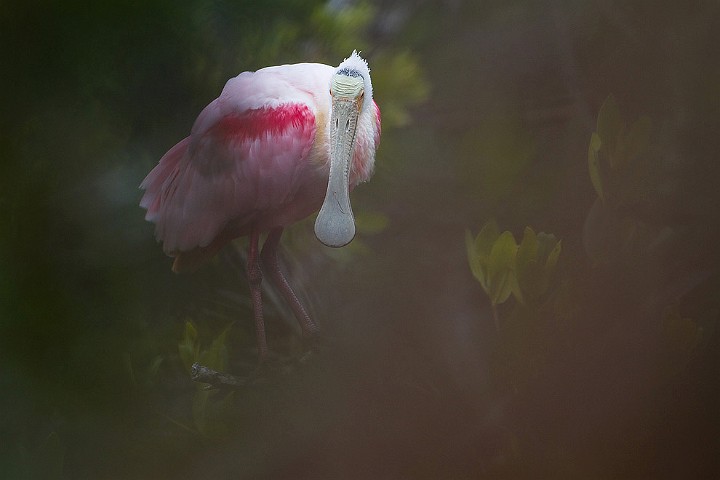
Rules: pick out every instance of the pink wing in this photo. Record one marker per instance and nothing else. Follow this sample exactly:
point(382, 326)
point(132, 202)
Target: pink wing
point(235, 165)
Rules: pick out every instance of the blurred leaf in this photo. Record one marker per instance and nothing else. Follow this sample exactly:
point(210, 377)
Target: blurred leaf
point(473, 259)
point(546, 243)
point(189, 348)
point(594, 164)
point(535, 263)
point(342, 28)
point(479, 252)
point(398, 83)
point(500, 268)
point(501, 287)
point(609, 126)
point(526, 265)
point(528, 249)
point(528, 280)
point(485, 240)
point(215, 356)
point(553, 257)
point(371, 223)
point(550, 265)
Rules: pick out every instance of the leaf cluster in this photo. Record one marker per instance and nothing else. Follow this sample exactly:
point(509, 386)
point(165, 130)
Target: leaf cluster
point(504, 267)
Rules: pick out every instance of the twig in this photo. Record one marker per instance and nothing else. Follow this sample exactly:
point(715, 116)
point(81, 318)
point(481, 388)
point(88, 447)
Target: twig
point(260, 375)
point(214, 379)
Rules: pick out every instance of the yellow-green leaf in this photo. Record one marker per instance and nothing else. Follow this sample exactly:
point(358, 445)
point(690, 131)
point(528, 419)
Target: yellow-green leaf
point(594, 165)
point(502, 287)
point(188, 348)
point(527, 251)
point(502, 255)
point(473, 259)
point(501, 267)
point(552, 258)
point(215, 357)
point(485, 240)
point(609, 124)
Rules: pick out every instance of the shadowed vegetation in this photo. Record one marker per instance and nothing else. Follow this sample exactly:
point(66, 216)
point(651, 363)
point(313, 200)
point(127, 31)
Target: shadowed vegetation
point(587, 352)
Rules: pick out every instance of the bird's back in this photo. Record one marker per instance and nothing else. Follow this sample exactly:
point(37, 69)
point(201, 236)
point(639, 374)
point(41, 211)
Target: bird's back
point(251, 161)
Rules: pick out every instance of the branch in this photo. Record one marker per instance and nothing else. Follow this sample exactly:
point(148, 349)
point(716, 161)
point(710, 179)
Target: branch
point(214, 379)
point(261, 374)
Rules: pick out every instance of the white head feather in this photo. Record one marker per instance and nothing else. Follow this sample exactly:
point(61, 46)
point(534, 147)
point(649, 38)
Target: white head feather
point(352, 67)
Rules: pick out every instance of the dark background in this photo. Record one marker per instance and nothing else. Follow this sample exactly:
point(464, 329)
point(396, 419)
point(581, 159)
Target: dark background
point(488, 109)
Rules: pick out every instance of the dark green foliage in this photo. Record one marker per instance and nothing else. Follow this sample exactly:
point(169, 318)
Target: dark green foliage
point(604, 362)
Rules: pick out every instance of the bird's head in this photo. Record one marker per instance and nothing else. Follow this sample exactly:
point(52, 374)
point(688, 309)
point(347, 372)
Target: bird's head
point(351, 96)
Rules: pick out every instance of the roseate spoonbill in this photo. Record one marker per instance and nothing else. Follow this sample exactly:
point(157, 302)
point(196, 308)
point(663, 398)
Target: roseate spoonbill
point(276, 146)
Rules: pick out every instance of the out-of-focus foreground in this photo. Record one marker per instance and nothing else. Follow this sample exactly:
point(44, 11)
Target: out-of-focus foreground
point(455, 350)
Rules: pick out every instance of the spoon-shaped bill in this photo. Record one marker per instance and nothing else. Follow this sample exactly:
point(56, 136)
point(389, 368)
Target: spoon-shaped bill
point(335, 224)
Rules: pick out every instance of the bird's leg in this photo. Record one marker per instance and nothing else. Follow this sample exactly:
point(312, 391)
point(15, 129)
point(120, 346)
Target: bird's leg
point(270, 261)
point(255, 280)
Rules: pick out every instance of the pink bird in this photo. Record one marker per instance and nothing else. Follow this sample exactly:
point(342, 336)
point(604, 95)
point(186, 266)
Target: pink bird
point(278, 145)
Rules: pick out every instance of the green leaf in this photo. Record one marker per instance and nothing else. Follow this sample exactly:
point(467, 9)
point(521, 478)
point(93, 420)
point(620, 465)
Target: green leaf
point(215, 356)
point(594, 164)
point(546, 242)
point(535, 263)
point(502, 286)
point(479, 251)
point(525, 263)
point(501, 266)
point(502, 255)
point(473, 259)
point(527, 251)
point(370, 223)
point(609, 125)
point(188, 348)
point(485, 240)
point(550, 265)
point(553, 257)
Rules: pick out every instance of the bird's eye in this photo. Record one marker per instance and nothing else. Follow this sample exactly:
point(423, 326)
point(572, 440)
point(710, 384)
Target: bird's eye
point(337, 123)
point(347, 125)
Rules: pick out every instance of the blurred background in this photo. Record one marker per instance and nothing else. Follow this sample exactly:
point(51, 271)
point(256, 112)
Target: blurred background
point(455, 351)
